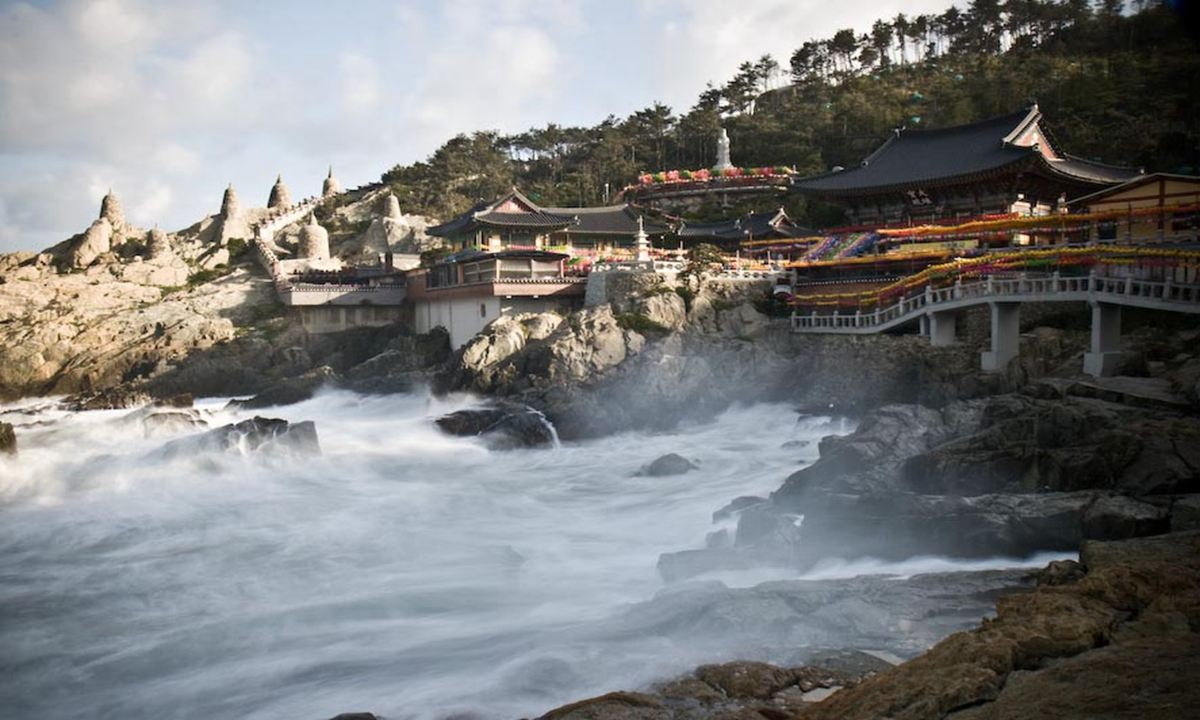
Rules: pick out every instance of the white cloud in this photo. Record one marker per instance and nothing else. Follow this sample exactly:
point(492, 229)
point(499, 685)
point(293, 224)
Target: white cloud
point(361, 93)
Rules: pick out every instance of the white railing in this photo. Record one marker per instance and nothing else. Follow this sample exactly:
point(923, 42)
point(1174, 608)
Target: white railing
point(1164, 294)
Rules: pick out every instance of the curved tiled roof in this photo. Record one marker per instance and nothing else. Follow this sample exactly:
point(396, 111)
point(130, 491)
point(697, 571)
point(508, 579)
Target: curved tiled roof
point(930, 157)
point(606, 220)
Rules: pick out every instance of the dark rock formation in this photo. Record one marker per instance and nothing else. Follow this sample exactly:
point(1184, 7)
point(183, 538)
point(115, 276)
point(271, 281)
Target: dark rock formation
point(8, 439)
point(666, 465)
point(504, 426)
point(289, 391)
point(257, 434)
point(1009, 474)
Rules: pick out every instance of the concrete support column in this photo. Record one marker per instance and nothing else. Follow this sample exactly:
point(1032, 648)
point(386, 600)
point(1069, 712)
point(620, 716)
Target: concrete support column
point(925, 325)
point(943, 328)
point(1006, 336)
point(1106, 340)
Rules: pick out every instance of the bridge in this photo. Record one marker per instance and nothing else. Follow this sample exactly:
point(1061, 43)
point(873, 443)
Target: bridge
point(1111, 284)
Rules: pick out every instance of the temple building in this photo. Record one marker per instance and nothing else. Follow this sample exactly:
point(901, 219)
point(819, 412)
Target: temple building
point(732, 233)
point(1151, 208)
point(514, 222)
point(467, 290)
point(1003, 165)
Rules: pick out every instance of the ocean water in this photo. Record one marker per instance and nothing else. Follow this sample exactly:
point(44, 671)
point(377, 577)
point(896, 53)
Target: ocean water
point(402, 571)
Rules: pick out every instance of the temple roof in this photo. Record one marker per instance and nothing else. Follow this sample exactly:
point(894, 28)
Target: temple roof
point(775, 223)
point(932, 157)
point(607, 220)
point(514, 210)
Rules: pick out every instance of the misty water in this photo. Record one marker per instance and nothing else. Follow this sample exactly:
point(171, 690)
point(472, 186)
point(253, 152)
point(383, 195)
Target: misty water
point(402, 571)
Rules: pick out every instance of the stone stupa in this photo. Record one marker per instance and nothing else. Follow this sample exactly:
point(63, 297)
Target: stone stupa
point(331, 186)
point(280, 198)
point(314, 241)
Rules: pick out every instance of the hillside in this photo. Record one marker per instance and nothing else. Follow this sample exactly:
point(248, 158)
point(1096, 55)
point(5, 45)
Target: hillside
point(1122, 89)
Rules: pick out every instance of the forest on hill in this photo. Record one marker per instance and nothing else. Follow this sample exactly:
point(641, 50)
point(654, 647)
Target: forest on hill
point(1118, 85)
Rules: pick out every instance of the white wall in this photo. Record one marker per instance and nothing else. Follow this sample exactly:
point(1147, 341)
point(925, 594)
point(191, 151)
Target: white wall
point(460, 317)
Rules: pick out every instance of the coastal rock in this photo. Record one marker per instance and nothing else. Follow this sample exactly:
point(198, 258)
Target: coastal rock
point(258, 434)
point(666, 465)
point(1185, 513)
point(8, 439)
point(613, 706)
point(289, 391)
point(1061, 651)
point(503, 426)
point(1119, 517)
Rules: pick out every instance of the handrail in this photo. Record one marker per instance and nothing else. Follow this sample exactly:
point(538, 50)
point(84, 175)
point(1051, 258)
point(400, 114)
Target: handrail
point(1046, 287)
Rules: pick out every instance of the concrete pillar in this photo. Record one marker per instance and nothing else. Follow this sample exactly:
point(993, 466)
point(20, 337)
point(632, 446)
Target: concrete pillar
point(924, 324)
point(1006, 336)
point(943, 327)
point(1106, 340)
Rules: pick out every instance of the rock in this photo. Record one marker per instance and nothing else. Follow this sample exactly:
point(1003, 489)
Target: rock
point(1185, 513)
point(764, 527)
point(110, 399)
point(8, 439)
point(504, 426)
point(737, 505)
point(1060, 651)
point(257, 434)
point(1061, 572)
point(684, 564)
point(666, 465)
point(613, 706)
point(744, 680)
point(289, 391)
point(1119, 517)
point(171, 422)
point(356, 716)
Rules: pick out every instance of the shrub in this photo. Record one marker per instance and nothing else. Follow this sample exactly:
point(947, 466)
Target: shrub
point(640, 324)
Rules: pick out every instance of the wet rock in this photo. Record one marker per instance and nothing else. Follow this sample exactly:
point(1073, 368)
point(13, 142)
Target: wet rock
point(764, 527)
point(1061, 572)
point(613, 706)
point(1185, 513)
point(1059, 651)
point(356, 716)
point(669, 464)
point(289, 391)
point(8, 439)
point(1118, 518)
point(504, 426)
point(746, 679)
point(737, 505)
point(679, 566)
point(117, 398)
point(170, 422)
point(257, 434)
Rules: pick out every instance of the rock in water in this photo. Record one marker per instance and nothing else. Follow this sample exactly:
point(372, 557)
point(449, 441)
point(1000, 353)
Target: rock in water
point(504, 426)
point(669, 464)
point(8, 440)
point(257, 434)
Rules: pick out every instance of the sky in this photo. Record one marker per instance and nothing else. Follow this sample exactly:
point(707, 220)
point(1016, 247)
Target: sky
point(168, 102)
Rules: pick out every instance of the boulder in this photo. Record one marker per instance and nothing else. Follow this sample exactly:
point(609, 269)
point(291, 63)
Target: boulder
point(666, 465)
point(1185, 513)
point(289, 391)
point(8, 439)
point(258, 434)
point(1061, 572)
point(1119, 517)
point(503, 426)
point(613, 706)
point(755, 680)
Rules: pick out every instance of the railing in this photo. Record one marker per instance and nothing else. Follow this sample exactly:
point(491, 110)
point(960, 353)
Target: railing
point(1119, 290)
